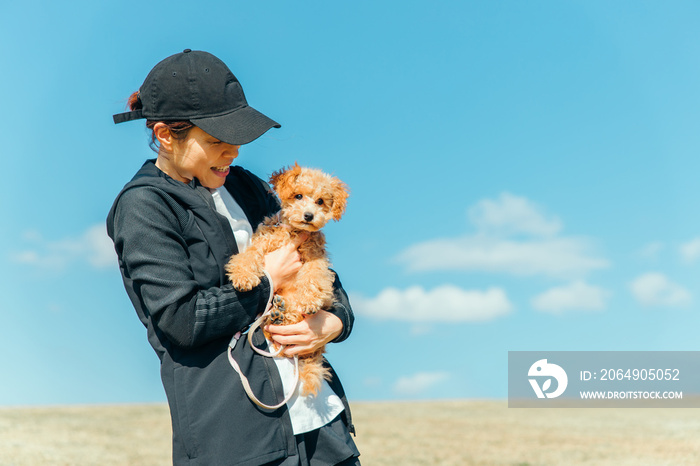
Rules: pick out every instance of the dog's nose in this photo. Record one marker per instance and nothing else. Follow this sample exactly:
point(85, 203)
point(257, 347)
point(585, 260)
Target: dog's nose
point(308, 216)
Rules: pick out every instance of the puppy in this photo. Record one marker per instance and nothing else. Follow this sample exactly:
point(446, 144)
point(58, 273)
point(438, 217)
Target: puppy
point(309, 198)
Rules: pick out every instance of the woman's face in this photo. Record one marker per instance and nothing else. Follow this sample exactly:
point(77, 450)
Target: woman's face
point(200, 156)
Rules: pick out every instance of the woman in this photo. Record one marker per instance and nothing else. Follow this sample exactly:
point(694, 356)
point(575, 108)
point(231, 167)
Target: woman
point(174, 226)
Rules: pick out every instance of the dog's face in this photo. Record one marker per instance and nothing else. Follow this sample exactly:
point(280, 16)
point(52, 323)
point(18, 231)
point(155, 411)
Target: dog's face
point(309, 197)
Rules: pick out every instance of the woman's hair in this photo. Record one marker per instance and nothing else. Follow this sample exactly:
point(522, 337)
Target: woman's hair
point(178, 129)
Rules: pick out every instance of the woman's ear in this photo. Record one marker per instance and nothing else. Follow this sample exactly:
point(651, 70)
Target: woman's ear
point(164, 136)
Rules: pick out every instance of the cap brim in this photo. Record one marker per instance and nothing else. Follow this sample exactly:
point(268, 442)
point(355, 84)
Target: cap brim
point(239, 127)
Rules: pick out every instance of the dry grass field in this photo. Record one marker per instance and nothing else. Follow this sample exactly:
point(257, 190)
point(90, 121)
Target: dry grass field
point(423, 433)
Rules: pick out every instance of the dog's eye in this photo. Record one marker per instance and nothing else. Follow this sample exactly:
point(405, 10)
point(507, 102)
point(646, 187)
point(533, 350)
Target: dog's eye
point(319, 202)
point(298, 197)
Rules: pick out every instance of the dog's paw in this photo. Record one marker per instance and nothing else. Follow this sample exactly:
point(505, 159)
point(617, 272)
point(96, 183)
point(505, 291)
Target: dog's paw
point(309, 310)
point(277, 311)
point(278, 301)
point(312, 306)
point(244, 281)
point(276, 317)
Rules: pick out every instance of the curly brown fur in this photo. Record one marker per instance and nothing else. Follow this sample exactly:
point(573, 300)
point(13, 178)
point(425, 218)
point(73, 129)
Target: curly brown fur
point(309, 199)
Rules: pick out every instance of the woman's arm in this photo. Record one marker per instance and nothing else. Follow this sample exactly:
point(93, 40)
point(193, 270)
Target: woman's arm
point(342, 310)
point(156, 266)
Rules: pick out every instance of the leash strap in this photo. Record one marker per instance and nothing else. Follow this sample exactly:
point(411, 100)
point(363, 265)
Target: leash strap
point(244, 380)
point(258, 322)
point(249, 391)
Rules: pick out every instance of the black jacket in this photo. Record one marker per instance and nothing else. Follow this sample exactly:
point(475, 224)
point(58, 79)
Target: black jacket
point(172, 247)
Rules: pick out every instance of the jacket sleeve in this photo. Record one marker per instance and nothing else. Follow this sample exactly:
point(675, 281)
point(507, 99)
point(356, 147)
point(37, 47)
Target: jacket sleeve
point(154, 259)
point(341, 309)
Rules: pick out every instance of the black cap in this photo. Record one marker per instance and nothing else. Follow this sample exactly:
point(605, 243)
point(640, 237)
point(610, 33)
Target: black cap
point(198, 87)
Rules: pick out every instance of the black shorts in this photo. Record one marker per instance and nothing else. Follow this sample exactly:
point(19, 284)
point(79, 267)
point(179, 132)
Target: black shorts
point(329, 445)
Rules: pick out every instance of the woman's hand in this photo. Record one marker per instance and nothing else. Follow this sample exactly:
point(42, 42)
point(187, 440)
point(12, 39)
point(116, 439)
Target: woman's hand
point(307, 336)
point(283, 264)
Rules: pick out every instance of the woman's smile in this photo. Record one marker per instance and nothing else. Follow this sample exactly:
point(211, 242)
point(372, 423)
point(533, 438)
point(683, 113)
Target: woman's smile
point(199, 156)
point(221, 171)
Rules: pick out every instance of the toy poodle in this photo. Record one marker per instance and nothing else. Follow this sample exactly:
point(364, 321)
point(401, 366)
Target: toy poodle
point(309, 198)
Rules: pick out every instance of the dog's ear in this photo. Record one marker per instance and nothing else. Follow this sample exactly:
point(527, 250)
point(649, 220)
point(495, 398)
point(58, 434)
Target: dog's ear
point(340, 198)
point(283, 180)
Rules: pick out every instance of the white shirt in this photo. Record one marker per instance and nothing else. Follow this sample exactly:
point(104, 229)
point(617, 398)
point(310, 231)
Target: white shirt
point(227, 206)
point(307, 413)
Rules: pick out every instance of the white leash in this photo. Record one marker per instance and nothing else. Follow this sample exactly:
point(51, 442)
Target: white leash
point(244, 379)
point(249, 391)
point(258, 322)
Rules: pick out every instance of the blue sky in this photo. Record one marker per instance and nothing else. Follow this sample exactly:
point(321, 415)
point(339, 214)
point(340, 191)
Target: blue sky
point(523, 176)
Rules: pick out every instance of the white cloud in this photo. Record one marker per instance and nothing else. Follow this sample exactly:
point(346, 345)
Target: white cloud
point(419, 383)
point(92, 246)
point(446, 303)
point(651, 250)
point(577, 295)
point(99, 247)
point(490, 249)
point(655, 289)
point(552, 257)
point(511, 215)
point(690, 251)
point(26, 257)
